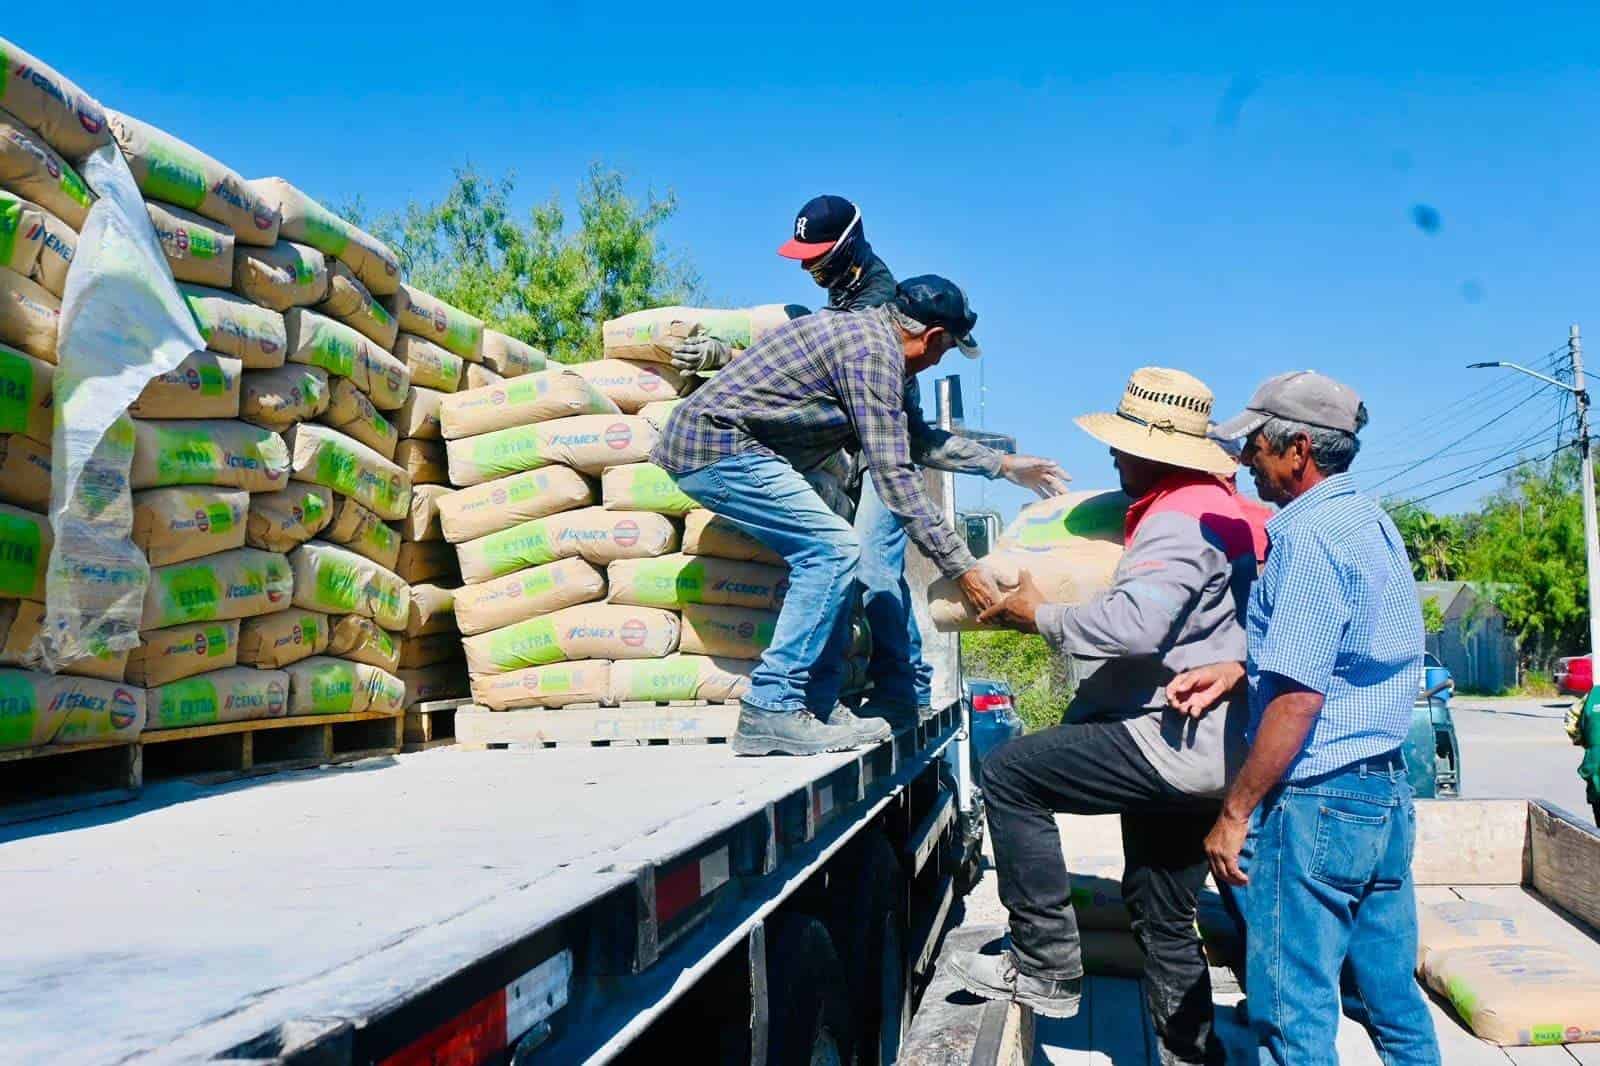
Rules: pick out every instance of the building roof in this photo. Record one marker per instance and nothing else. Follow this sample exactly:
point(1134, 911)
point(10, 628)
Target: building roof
point(1450, 595)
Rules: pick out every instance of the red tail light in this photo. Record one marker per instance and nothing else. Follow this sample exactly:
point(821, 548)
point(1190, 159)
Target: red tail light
point(990, 704)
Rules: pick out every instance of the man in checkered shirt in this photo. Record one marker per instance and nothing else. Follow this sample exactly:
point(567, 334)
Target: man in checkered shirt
point(808, 388)
point(1317, 828)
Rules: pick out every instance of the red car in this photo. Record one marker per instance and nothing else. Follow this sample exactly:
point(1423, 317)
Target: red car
point(1575, 675)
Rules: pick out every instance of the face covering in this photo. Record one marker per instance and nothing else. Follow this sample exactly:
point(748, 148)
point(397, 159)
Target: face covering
point(840, 268)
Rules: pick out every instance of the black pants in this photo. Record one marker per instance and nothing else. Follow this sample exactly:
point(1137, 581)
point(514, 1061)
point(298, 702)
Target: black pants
point(1098, 769)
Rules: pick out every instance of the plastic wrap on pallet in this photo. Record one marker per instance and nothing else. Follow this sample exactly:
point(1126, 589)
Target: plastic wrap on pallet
point(38, 709)
point(20, 624)
point(232, 694)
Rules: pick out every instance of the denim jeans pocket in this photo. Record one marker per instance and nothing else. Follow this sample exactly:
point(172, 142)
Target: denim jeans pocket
point(1349, 846)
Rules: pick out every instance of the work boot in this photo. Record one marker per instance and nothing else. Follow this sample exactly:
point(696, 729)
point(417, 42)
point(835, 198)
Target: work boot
point(997, 977)
point(788, 733)
point(865, 730)
point(899, 716)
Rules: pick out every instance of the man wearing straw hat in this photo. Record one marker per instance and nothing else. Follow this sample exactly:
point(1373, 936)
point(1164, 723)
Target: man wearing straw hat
point(1175, 602)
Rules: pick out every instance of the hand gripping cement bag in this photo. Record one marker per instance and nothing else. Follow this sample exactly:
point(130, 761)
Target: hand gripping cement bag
point(219, 452)
point(178, 652)
point(234, 694)
point(58, 245)
point(175, 172)
point(196, 249)
point(30, 317)
point(424, 461)
point(38, 709)
point(284, 396)
point(276, 640)
point(323, 685)
point(178, 524)
point(241, 583)
point(588, 631)
point(538, 397)
point(632, 385)
point(351, 413)
point(652, 335)
point(727, 632)
point(595, 534)
point(71, 120)
point(679, 677)
point(467, 514)
point(361, 640)
point(289, 517)
point(446, 681)
point(24, 473)
point(705, 533)
point(327, 457)
point(363, 532)
point(588, 443)
point(21, 233)
point(25, 542)
point(308, 222)
point(432, 610)
point(1064, 575)
point(510, 357)
point(556, 685)
point(418, 417)
point(205, 385)
point(643, 487)
point(431, 365)
point(26, 395)
point(424, 315)
point(677, 580)
point(336, 580)
point(348, 301)
point(236, 327)
point(527, 594)
point(283, 276)
point(31, 168)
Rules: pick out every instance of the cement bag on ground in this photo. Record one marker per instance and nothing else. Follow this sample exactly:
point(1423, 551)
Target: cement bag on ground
point(29, 316)
point(71, 120)
point(422, 523)
point(538, 397)
point(589, 631)
point(322, 685)
point(205, 385)
point(289, 517)
point(234, 326)
point(286, 637)
point(21, 622)
point(431, 561)
point(1067, 521)
point(277, 399)
point(431, 366)
point(25, 543)
point(425, 461)
point(446, 681)
point(1065, 575)
point(241, 583)
point(349, 302)
point(173, 654)
point(336, 580)
point(179, 524)
point(651, 335)
point(26, 395)
point(38, 709)
point(24, 473)
point(308, 222)
point(643, 487)
point(429, 317)
point(1514, 994)
point(727, 632)
point(419, 416)
point(208, 452)
point(1463, 924)
point(631, 385)
point(705, 533)
point(21, 233)
point(432, 610)
point(382, 377)
point(32, 169)
point(236, 694)
point(283, 276)
point(488, 508)
point(557, 685)
point(595, 534)
point(676, 580)
point(419, 652)
point(175, 172)
point(351, 413)
point(588, 443)
point(327, 457)
point(363, 532)
point(658, 411)
point(58, 246)
point(478, 376)
point(679, 677)
point(509, 357)
point(527, 593)
point(198, 250)
point(361, 640)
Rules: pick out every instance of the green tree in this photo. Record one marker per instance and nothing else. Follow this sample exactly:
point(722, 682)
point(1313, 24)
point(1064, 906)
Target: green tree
point(1436, 543)
point(1432, 616)
point(1025, 662)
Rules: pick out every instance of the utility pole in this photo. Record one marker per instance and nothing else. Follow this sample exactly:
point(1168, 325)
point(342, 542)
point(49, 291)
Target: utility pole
point(1591, 537)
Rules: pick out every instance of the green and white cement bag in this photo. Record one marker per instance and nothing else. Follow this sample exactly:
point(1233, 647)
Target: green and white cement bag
point(429, 317)
point(30, 318)
point(705, 533)
point(727, 632)
point(178, 524)
point(234, 694)
point(348, 301)
point(323, 685)
point(284, 396)
point(478, 376)
point(276, 640)
point(205, 385)
point(176, 172)
point(509, 357)
point(308, 222)
point(71, 120)
point(629, 384)
point(240, 583)
point(588, 443)
point(363, 532)
point(431, 365)
point(425, 461)
point(327, 457)
point(1519, 993)
point(1069, 521)
point(236, 327)
point(24, 473)
point(196, 249)
point(282, 520)
point(592, 533)
point(678, 677)
point(58, 245)
point(643, 487)
point(361, 640)
point(556, 685)
point(588, 631)
point(446, 681)
point(26, 395)
point(1065, 575)
point(418, 417)
point(38, 709)
point(335, 580)
point(25, 542)
point(651, 335)
point(537, 397)
point(658, 411)
point(467, 514)
point(422, 522)
point(350, 411)
point(317, 340)
point(208, 452)
point(527, 594)
point(432, 610)
point(172, 654)
point(678, 580)
point(431, 561)
point(21, 233)
point(382, 377)
point(31, 168)
point(280, 277)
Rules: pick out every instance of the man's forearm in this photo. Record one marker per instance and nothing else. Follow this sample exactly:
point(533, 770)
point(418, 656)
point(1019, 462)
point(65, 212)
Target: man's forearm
point(1285, 725)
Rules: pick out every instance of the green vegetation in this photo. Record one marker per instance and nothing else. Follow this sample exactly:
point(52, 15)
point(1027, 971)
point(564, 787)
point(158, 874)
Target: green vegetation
point(1027, 663)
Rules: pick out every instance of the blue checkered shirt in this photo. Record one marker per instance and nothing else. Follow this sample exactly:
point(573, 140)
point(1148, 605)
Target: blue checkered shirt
point(802, 392)
point(1336, 610)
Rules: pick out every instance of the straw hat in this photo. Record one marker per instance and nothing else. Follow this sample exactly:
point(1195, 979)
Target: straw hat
point(1163, 416)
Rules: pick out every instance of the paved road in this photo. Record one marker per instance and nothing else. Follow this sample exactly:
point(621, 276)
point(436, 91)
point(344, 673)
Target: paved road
point(1518, 748)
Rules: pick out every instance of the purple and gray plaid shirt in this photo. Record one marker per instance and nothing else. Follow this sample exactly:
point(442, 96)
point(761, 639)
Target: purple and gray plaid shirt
point(807, 389)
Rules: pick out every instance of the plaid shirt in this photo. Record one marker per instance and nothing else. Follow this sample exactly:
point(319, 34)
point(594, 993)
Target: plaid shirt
point(802, 392)
point(1336, 610)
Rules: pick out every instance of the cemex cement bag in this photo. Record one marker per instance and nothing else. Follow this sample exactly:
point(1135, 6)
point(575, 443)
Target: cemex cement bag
point(587, 443)
point(679, 677)
point(556, 685)
point(537, 397)
point(38, 709)
point(678, 580)
point(323, 685)
point(123, 322)
point(588, 631)
point(652, 335)
point(597, 535)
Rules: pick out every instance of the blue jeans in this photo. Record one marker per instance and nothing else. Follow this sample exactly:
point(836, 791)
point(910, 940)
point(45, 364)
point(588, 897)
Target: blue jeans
point(1332, 918)
point(803, 668)
point(898, 673)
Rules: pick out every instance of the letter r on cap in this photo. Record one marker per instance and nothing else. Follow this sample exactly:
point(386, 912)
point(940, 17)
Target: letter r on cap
point(800, 227)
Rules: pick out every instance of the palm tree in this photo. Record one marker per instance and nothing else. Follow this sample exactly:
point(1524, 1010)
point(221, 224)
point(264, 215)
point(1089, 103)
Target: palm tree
point(1434, 542)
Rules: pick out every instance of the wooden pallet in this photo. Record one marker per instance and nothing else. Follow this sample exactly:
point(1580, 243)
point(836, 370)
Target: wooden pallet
point(432, 724)
point(57, 778)
point(268, 745)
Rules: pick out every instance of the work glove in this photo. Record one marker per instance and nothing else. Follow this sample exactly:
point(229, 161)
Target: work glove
point(701, 353)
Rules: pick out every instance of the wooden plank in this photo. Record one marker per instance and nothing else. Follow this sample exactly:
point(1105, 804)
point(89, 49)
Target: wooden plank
point(1566, 858)
point(475, 725)
point(162, 736)
point(1471, 842)
point(45, 752)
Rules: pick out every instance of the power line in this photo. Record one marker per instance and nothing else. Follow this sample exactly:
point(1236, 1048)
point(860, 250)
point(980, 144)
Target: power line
point(1479, 464)
point(1465, 436)
point(1461, 484)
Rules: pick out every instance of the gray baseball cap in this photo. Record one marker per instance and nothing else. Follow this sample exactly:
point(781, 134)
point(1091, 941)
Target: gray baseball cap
point(1300, 396)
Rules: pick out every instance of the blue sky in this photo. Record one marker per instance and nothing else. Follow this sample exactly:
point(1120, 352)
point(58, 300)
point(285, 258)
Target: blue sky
point(1230, 192)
